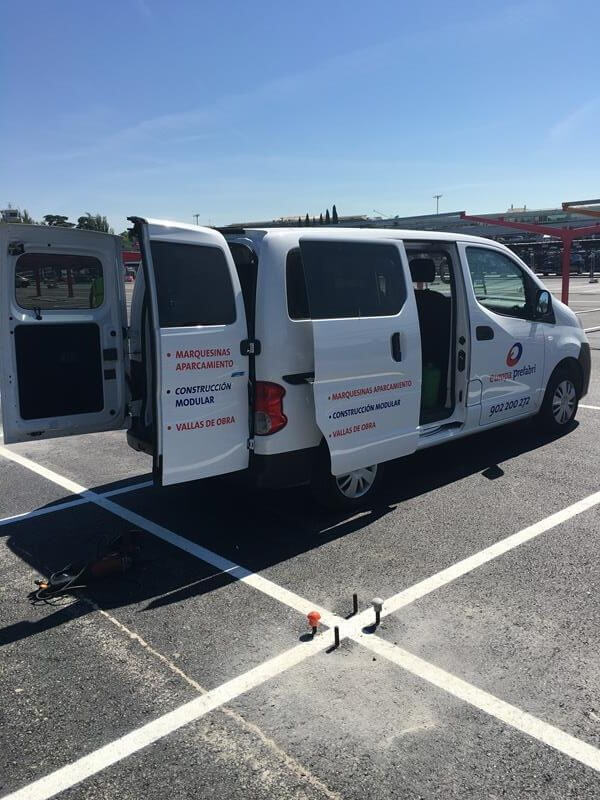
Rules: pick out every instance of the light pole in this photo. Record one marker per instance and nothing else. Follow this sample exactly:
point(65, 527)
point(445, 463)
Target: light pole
point(196, 217)
point(436, 197)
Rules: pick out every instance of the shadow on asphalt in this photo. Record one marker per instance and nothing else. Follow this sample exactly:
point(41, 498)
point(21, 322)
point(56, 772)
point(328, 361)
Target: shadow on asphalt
point(255, 529)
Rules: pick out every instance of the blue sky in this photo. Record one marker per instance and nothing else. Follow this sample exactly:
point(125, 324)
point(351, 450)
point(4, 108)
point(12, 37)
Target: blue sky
point(246, 111)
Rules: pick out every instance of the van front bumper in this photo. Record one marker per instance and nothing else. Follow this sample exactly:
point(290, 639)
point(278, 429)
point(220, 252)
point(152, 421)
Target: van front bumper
point(585, 362)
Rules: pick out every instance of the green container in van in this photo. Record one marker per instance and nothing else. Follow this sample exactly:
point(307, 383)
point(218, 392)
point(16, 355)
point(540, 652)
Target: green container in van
point(430, 388)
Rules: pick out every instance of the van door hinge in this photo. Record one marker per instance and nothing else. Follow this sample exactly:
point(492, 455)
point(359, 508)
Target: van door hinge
point(16, 248)
point(250, 347)
point(250, 444)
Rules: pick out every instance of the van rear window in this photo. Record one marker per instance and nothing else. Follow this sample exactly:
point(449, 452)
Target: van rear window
point(56, 281)
point(352, 279)
point(193, 285)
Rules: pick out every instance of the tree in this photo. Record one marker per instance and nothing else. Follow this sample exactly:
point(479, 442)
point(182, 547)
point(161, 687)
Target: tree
point(320, 219)
point(26, 218)
point(314, 222)
point(94, 222)
point(128, 239)
point(299, 222)
point(306, 220)
point(334, 216)
point(58, 220)
point(327, 218)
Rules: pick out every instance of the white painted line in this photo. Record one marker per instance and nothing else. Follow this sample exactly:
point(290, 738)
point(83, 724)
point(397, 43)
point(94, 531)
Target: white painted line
point(66, 483)
point(594, 408)
point(295, 767)
point(130, 487)
point(587, 310)
point(264, 585)
point(109, 754)
point(484, 701)
point(295, 601)
point(40, 512)
point(591, 330)
point(98, 760)
point(484, 556)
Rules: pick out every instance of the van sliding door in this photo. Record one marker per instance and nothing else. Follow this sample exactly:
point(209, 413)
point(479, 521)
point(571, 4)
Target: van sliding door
point(367, 349)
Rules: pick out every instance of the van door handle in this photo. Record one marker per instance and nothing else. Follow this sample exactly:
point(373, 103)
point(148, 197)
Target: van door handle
point(461, 360)
point(484, 333)
point(396, 347)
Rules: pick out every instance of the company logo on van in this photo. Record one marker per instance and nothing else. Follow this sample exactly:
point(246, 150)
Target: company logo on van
point(514, 354)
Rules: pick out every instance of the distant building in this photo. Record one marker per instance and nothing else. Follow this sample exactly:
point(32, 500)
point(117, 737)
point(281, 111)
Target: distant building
point(449, 222)
point(10, 215)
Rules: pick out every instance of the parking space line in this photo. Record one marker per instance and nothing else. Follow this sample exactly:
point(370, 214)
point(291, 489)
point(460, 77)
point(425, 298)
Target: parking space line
point(115, 751)
point(460, 568)
point(592, 330)
point(293, 600)
point(130, 487)
point(505, 712)
point(594, 408)
point(352, 628)
point(292, 764)
point(39, 512)
point(264, 585)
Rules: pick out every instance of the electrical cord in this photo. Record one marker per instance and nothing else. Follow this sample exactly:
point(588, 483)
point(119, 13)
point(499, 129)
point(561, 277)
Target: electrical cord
point(109, 559)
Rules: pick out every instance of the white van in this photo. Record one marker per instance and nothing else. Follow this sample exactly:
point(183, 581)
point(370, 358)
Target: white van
point(308, 355)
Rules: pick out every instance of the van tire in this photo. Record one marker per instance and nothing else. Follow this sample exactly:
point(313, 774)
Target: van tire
point(561, 400)
point(328, 489)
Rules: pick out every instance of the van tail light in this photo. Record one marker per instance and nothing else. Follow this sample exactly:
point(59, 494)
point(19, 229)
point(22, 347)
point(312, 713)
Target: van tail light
point(268, 408)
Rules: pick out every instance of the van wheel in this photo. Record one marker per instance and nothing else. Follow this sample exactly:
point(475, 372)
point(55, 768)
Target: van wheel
point(560, 401)
point(348, 491)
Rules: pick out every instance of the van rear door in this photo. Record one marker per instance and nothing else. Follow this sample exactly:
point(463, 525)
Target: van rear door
point(62, 321)
point(200, 352)
point(367, 349)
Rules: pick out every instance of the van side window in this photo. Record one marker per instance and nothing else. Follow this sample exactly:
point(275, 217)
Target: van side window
point(499, 284)
point(53, 281)
point(297, 299)
point(193, 285)
point(353, 279)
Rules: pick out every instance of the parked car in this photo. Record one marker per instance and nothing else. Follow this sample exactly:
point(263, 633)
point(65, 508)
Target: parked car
point(552, 262)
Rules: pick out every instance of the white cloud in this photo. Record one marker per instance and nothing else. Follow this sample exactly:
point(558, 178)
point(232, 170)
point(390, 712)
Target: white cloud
point(575, 120)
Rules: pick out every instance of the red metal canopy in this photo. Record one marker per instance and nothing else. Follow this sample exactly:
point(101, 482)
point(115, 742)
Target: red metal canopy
point(566, 235)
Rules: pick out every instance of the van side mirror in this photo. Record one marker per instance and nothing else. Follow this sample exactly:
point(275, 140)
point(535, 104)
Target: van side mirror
point(543, 303)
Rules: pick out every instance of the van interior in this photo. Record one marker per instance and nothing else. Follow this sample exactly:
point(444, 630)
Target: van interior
point(434, 280)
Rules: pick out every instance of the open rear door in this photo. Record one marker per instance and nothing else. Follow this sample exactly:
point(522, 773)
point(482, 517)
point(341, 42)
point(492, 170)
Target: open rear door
point(367, 347)
point(62, 322)
point(200, 352)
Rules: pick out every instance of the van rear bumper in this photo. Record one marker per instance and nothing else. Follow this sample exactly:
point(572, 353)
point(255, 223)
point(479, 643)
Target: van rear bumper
point(265, 471)
point(283, 469)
